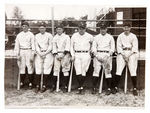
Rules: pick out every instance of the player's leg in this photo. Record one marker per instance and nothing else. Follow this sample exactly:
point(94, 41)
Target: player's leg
point(29, 65)
point(85, 63)
point(48, 63)
point(65, 69)
point(119, 68)
point(108, 76)
point(55, 74)
point(22, 66)
point(38, 71)
point(132, 64)
point(77, 65)
point(97, 68)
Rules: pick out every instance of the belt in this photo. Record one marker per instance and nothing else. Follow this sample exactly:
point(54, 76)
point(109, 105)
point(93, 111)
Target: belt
point(81, 51)
point(43, 50)
point(126, 48)
point(60, 52)
point(102, 51)
point(25, 48)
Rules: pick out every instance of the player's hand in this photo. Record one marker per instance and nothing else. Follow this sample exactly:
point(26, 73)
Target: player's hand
point(99, 59)
point(111, 53)
point(72, 58)
point(19, 58)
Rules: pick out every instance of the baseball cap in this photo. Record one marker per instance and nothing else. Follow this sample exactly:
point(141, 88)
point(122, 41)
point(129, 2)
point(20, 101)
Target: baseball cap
point(42, 24)
point(24, 23)
point(82, 25)
point(60, 26)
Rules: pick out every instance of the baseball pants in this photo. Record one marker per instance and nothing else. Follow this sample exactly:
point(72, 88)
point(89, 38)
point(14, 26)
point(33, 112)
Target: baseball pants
point(107, 65)
point(25, 61)
point(132, 63)
point(44, 65)
point(82, 63)
point(64, 63)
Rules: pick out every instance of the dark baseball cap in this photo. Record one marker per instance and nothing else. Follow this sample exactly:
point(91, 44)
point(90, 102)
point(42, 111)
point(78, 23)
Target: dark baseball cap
point(24, 23)
point(60, 26)
point(127, 24)
point(103, 26)
point(82, 25)
point(42, 24)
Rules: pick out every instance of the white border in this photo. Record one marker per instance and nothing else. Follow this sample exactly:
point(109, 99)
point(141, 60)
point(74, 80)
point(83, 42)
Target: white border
point(118, 3)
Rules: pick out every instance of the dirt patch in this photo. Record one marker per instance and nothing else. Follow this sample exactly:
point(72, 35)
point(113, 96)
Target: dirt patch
point(28, 99)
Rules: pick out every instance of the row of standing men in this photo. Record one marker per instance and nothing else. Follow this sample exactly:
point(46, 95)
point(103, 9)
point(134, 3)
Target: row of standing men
point(42, 51)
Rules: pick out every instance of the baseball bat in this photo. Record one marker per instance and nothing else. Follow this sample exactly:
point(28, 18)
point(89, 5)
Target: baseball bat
point(41, 84)
point(70, 79)
point(57, 84)
point(101, 81)
point(126, 80)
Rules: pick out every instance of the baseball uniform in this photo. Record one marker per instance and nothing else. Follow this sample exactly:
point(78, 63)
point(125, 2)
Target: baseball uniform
point(25, 48)
point(126, 45)
point(43, 43)
point(80, 49)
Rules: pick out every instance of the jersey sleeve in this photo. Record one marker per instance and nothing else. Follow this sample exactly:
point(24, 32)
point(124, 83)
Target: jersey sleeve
point(17, 47)
point(67, 47)
point(135, 44)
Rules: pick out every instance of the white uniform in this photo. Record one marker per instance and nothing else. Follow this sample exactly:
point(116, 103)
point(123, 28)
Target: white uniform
point(80, 49)
point(61, 43)
point(126, 45)
point(43, 43)
point(102, 46)
point(24, 47)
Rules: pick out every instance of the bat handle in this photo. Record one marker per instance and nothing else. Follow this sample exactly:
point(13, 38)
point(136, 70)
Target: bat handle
point(126, 80)
point(70, 79)
point(57, 84)
point(101, 82)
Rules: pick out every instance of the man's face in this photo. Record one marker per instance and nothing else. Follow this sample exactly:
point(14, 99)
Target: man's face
point(25, 28)
point(81, 31)
point(42, 29)
point(59, 31)
point(127, 29)
point(103, 31)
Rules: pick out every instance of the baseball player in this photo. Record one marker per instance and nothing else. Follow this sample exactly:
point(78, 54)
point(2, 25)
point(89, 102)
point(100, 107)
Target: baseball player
point(44, 57)
point(127, 48)
point(81, 43)
point(24, 49)
point(103, 48)
point(61, 51)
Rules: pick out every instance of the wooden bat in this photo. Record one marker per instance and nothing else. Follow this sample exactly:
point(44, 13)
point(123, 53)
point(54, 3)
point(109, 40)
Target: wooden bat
point(57, 84)
point(101, 81)
point(126, 80)
point(41, 84)
point(70, 79)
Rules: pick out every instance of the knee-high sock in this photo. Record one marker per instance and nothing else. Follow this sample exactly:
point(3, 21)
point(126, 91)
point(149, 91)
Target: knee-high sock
point(116, 80)
point(94, 81)
point(134, 81)
point(45, 77)
point(108, 80)
point(31, 77)
point(66, 79)
point(79, 79)
point(82, 80)
point(54, 81)
point(22, 78)
point(37, 80)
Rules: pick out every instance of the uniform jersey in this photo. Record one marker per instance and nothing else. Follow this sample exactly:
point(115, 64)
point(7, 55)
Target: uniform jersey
point(125, 41)
point(43, 42)
point(81, 42)
point(24, 40)
point(103, 43)
point(61, 43)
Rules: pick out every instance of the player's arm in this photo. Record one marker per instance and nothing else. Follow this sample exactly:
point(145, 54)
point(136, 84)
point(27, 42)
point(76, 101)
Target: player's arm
point(50, 44)
point(67, 47)
point(72, 47)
